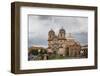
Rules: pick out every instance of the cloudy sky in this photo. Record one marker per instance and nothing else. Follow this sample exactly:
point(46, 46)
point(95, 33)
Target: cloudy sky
point(39, 25)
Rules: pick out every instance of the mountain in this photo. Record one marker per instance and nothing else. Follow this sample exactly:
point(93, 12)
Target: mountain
point(82, 37)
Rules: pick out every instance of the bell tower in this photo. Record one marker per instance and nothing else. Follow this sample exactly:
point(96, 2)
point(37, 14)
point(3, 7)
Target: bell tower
point(51, 34)
point(61, 34)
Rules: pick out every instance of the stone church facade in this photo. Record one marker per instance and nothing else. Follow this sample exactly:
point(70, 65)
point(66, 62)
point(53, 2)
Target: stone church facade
point(63, 45)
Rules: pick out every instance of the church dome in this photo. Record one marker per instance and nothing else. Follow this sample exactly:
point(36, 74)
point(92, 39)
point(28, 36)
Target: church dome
point(62, 30)
point(51, 31)
point(71, 40)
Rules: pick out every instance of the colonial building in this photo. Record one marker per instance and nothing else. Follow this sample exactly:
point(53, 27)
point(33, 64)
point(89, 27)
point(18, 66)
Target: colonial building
point(63, 44)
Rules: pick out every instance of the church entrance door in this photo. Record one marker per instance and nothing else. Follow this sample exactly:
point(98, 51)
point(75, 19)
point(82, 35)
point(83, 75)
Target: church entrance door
point(67, 51)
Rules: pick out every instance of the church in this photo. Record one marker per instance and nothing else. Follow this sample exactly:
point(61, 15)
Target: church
point(63, 44)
